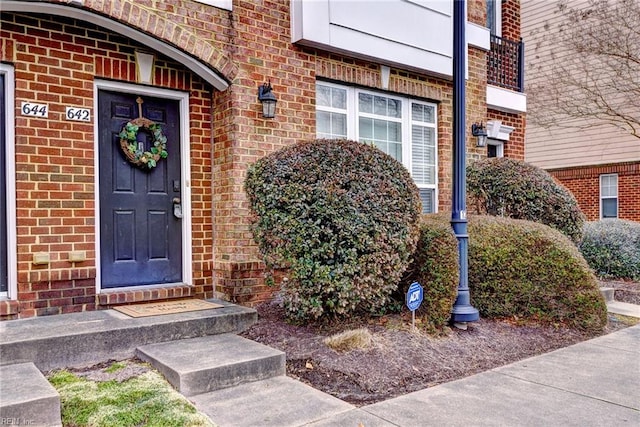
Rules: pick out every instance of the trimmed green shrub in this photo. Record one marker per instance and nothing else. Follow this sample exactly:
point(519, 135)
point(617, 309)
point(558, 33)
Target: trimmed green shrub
point(435, 267)
point(342, 217)
point(514, 189)
point(612, 248)
point(529, 270)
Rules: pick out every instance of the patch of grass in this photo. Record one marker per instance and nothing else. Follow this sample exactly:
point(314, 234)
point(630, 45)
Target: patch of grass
point(625, 320)
point(115, 367)
point(355, 339)
point(146, 400)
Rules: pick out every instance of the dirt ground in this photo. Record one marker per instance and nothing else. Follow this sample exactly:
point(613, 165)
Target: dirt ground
point(400, 360)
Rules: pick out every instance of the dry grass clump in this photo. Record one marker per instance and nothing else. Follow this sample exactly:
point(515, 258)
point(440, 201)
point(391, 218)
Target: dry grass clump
point(355, 339)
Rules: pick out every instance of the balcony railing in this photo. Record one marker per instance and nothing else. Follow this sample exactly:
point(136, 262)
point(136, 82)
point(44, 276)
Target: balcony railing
point(505, 64)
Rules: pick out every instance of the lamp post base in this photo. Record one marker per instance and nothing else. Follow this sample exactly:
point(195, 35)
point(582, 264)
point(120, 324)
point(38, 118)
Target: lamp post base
point(464, 313)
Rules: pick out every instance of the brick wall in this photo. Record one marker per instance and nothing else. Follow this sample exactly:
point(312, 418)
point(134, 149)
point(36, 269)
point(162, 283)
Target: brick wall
point(513, 148)
point(511, 19)
point(56, 60)
point(584, 183)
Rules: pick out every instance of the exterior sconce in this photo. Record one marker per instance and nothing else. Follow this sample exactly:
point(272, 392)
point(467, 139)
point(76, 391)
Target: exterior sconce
point(479, 131)
point(268, 99)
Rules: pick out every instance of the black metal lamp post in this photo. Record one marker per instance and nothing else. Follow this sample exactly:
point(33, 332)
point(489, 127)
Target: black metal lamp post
point(462, 311)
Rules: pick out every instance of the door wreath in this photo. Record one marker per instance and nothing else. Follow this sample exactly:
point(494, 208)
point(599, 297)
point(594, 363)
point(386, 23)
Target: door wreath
point(134, 151)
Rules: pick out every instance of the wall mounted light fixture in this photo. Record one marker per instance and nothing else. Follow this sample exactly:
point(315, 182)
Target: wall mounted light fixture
point(268, 99)
point(479, 131)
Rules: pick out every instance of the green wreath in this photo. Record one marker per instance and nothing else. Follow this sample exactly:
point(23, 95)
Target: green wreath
point(145, 159)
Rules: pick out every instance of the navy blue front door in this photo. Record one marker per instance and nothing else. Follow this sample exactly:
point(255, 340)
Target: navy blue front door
point(140, 237)
point(4, 279)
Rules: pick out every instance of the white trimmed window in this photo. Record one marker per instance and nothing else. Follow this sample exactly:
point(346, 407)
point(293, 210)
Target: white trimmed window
point(404, 128)
point(609, 196)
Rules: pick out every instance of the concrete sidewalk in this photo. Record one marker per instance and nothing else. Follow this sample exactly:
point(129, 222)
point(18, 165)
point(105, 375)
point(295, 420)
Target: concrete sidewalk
point(594, 383)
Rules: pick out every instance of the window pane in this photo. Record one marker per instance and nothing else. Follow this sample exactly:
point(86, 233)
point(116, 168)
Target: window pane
point(426, 195)
point(323, 123)
point(608, 185)
point(380, 130)
point(395, 108)
point(395, 151)
point(423, 155)
point(609, 208)
point(394, 131)
point(331, 125)
point(339, 124)
point(323, 96)
point(422, 113)
point(339, 98)
point(365, 103)
point(366, 128)
point(380, 106)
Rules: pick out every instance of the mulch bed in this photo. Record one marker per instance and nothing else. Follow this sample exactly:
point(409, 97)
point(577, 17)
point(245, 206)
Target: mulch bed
point(401, 360)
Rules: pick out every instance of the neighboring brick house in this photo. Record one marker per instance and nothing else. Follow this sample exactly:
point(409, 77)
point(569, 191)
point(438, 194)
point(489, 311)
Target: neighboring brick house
point(600, 165)
point(84, 229)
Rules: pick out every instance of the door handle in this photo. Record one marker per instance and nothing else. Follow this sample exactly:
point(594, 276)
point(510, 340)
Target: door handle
point(177, 207)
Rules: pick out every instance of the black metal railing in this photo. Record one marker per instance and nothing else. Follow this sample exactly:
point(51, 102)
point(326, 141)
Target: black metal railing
point(505, 63)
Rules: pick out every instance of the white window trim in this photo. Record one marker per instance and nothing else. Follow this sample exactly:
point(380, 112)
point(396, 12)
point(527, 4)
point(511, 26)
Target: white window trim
point(354, 134)
point(499, 146)
point(601, 198)
point(10, 170)
point(497, 12)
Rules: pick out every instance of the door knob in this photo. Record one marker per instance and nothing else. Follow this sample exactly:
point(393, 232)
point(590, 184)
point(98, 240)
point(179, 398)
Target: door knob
point(177, 207)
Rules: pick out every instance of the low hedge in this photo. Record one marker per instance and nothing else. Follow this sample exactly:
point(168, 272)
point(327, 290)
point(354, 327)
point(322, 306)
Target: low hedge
point(342, 217)
point(515, 189)
point(611, 247)
point(435, 267)
point(529, 270)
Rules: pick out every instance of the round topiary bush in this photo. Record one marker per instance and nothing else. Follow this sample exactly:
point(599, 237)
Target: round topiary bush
point(435, 267)
point(514, 189)
point(529, 270)
point(342, 217)
point(612, 248)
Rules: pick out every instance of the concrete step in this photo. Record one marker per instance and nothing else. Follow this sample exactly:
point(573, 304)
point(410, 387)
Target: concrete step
point(624, 308)
point(200, 365)
point(278, 402)
point(27, 398)
point(83, 339)
point(607, 293)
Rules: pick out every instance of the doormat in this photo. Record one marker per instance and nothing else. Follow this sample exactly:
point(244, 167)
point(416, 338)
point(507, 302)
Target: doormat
point(166, 307)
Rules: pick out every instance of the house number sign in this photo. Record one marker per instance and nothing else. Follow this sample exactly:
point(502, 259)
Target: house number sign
point(35, 110)
point(78, 114)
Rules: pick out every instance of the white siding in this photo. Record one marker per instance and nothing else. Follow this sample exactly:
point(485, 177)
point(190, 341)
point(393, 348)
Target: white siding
point(412, 34)
point(564, 147)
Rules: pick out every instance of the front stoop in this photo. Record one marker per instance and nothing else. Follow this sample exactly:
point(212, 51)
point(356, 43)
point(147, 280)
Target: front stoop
point(200, 365)
point(86, 338)
point(27, 398)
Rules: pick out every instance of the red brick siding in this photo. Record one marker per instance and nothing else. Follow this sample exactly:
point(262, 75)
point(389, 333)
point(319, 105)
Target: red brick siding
point(513, 148)
point(511, 19)
point(584, 183)
point(56, 60)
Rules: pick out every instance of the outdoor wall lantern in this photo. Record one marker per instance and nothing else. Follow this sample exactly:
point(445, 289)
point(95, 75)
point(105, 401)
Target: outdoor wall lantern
point(479, 131)
point(268, 99)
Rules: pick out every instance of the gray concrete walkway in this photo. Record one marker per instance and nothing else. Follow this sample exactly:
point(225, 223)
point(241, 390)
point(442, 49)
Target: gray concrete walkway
point(594, 383)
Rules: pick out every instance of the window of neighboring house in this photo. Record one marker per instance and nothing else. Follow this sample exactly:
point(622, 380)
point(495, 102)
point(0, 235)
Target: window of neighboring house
point(494, 17)
point(495, 148)
point(402, 127)
point(609, 196)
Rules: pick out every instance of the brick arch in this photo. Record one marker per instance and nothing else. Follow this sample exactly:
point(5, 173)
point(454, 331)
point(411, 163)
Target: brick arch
point(169, 33)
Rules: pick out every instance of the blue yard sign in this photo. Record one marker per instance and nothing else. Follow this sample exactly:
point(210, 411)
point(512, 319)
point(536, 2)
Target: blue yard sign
point(414, 296)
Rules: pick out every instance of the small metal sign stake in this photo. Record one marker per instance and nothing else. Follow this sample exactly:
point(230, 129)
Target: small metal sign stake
point(414, 299)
